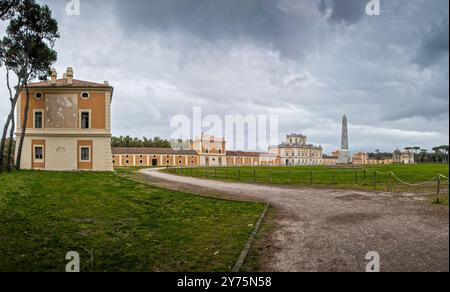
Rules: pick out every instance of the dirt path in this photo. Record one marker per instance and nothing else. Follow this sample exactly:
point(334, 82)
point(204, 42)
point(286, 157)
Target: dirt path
point(333, 230)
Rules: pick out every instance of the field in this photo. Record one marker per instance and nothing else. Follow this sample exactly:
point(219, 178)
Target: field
point(394, 177)
point(116, 225)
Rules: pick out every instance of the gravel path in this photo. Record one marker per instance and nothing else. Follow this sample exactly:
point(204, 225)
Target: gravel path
point(333, 230)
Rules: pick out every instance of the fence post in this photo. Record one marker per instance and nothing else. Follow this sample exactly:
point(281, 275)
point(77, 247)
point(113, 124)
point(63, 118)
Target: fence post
point(254, 175)
point(389, 182)
point(438, 191)
point(333, 178)
point(226, 173)
point(365, 178)
point(374, 180)
point(356, 177)
point(239, 174)
point(290, 177)
point(215, 173)
point(311, 178)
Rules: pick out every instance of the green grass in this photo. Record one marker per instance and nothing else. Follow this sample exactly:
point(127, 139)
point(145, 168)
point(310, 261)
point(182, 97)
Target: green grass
point(369, 178)
point(127, 226)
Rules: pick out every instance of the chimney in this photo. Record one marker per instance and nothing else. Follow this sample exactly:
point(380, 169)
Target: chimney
point(53, 76)
point(105, 83)
point(69, 76)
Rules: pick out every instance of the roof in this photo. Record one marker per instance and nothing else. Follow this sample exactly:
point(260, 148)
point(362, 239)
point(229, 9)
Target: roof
point(242, 153)
point(63, 83)
point(329, 157)
point(250, 154)
point(145, 150)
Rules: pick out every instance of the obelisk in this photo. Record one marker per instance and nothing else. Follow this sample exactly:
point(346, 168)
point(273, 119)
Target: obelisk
point(344, 154)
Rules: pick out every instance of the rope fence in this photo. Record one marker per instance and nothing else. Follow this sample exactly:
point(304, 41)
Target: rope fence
point(373, 179)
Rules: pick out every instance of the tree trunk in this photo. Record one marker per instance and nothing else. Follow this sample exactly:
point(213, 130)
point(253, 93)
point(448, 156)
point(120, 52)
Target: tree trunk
point(2, 143)
point(24, 126)
point(10, 146)
point(8, 121)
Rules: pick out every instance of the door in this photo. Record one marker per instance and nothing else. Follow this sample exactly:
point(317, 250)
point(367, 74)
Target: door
point(154, 162)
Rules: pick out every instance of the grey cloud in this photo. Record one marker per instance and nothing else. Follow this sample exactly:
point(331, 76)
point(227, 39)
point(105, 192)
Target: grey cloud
point(434, 45)
point(347, 11)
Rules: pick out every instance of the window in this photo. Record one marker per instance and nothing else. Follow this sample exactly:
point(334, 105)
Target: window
point(38, 95)
point(85, 154)
point(38, 114)
point(85, 95)
point(85, 120)
point(38, 153)
point(141, 162)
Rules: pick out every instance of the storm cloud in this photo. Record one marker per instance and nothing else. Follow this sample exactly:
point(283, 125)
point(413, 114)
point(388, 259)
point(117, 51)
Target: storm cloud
point(308, 61)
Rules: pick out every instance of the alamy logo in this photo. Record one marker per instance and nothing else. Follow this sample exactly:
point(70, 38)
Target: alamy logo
point(373, 8)
point(73, 266)
point(73, 8)
point(374, 262)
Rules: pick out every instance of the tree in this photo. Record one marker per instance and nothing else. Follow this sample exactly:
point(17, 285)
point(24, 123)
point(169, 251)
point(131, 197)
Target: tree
point(423, 155)
point(7, 8)
point(27, 51)
point(444, 149)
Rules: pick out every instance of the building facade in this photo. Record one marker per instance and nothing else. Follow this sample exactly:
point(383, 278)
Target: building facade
point(152, 157)
point(296, 151)
point(360, 158)
point(68, 125)
point(329, 160)
point(403, 157)
point(211, 150)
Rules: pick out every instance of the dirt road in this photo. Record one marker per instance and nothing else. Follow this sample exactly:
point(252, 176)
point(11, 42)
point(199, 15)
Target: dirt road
point(333, 230)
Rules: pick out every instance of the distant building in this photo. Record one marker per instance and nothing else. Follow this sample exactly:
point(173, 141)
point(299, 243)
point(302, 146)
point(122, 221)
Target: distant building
point(329, 160)
point(383, 160)
point(360, 158)
point(128, 156)
point(212, 150)
point(296, 151)
point(403, 157)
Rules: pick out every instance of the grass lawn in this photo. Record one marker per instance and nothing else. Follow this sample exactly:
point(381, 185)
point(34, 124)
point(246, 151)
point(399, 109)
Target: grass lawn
point(369, 177)
point(125, 225)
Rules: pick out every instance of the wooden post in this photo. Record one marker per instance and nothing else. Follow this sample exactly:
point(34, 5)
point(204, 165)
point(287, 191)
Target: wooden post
point(356, 177)
point(215, 172)
point(374, 179)
point(290, 177)
point(239, 174)
point(438, 191)
point(311, 178)
point(254, 176)
point(365, 178)
point(389, 182)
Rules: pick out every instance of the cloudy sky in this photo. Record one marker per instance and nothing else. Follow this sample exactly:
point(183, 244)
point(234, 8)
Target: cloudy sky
point(307, 61)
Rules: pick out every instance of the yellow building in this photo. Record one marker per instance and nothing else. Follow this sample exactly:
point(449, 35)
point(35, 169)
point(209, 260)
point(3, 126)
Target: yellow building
point(68, 125)
point(360, 158)
point(123, 156)
point(211, 150)
point(329, 160)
